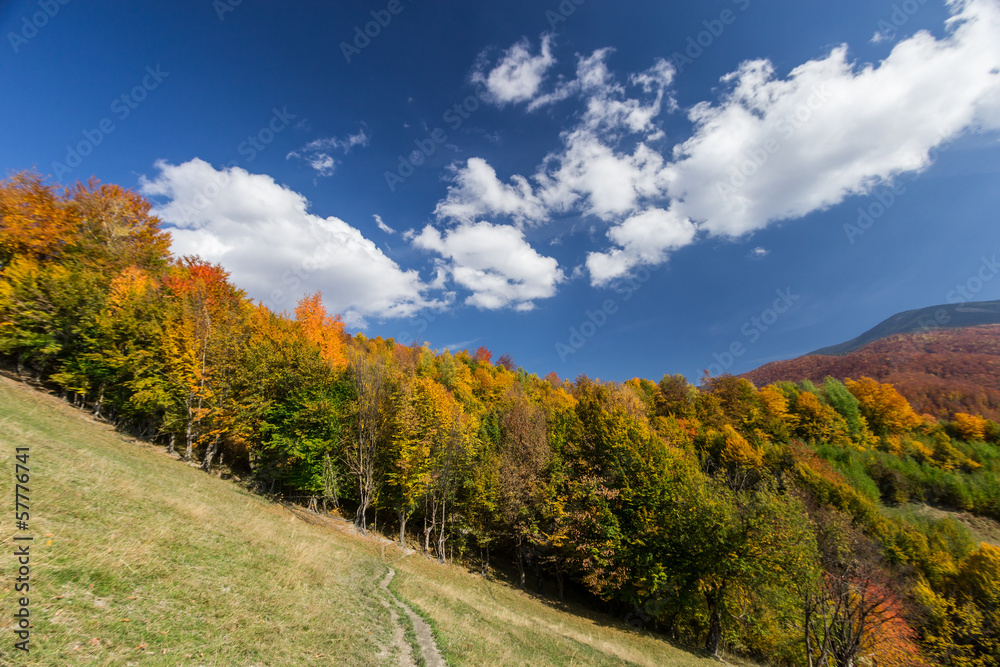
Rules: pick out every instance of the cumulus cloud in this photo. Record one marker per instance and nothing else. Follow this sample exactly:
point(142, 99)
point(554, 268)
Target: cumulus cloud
point(317, 153)
point(587, 172)
point(495, 263)
point(642, 239)
point(477, 191)
point(275, 249)
point(780, 148)
point(771, 148)
point(519, 74)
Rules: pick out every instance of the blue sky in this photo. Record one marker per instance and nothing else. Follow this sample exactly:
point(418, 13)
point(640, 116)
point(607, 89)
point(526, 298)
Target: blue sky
point(603, 188)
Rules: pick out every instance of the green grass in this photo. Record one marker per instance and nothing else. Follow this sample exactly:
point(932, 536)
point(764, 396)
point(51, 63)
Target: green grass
point(139, 559)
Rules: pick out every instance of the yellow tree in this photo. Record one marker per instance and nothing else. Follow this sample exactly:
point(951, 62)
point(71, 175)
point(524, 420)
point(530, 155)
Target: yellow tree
point(422, 424)
point(322, 330)
point(885, 409)
point(970, 427)
point(196, 339)
point(34, 219)
point(374, 391)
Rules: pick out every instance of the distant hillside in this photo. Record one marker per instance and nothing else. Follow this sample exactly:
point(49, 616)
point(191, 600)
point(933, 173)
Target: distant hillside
point(940, 372)
point(949, 316)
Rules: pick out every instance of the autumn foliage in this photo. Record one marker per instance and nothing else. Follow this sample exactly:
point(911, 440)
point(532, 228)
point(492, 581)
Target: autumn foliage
point(768, 521)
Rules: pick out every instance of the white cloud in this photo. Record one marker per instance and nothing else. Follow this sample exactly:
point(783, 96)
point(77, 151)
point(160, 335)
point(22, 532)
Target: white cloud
point(642, 239)
point(589, 175)
point(495, 263)
point(780, 148)
point(276, 250)
point(478, 192)
point(381, 225)
point(317, 153)
point(771, 148)
point(518, 75)
point(587, 172)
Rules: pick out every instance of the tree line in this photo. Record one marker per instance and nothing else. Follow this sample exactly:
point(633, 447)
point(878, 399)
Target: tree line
point(774, 522)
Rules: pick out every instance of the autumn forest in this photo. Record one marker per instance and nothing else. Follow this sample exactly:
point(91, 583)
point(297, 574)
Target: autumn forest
point(778, 522)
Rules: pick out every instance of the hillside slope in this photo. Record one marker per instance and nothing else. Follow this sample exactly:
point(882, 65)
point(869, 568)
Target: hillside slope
point(939, 372)
point(922, 320)
point(139, 559)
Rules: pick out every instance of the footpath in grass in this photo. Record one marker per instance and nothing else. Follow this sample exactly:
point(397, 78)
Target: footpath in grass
point(138, 559)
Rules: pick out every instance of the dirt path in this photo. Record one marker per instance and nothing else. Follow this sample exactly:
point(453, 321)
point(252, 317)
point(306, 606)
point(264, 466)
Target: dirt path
point(403, 648)
point(425, 637)
point(429, 649)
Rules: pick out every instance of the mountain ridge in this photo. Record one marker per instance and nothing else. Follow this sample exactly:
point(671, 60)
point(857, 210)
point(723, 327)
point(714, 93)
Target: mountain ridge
point(940, 371)
point(945, 316)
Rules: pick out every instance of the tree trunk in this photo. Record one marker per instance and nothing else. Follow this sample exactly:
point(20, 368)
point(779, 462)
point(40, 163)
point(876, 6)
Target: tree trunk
point(100, 402)
point(428, 529)
point(170, 444)
point(206, 464)
point(189, 435)
point(537, 567)
point(360, 520)
point(807, 622)
point(520, 565)
point(442, 535)
point(402, 527)
point(714, 600)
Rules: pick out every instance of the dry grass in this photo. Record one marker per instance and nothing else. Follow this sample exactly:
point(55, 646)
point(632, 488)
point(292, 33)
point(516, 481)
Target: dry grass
point(141, 560)
point(487, 622)
point(983, 528)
